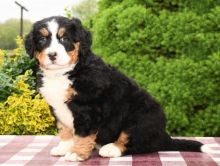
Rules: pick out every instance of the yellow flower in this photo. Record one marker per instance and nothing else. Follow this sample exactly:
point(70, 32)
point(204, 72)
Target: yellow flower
point(21, 84)
point(18, 51)
point(2, 54)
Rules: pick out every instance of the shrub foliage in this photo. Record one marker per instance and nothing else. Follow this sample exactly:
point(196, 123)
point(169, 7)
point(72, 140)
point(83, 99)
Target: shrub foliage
point(25, 113)
point(13, 64)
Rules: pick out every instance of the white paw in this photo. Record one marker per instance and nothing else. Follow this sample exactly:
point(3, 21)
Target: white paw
point(57, 151)
point(72, 157)
point(62, 148)
point(110, 150)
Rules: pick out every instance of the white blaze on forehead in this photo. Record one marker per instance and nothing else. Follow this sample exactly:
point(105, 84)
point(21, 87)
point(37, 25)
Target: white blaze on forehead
point(62, 58)
point(53, 28)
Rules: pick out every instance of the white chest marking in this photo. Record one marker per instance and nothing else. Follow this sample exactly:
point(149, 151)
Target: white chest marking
point(54, 90)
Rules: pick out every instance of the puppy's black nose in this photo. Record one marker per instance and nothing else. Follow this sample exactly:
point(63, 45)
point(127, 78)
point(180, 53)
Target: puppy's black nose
point(52, 56)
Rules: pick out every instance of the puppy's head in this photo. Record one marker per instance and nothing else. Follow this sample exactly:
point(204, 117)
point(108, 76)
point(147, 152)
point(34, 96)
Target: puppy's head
point(58, 42)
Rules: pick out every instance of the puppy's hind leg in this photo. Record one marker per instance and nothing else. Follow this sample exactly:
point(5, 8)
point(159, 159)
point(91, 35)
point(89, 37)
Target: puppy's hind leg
point(115, 149)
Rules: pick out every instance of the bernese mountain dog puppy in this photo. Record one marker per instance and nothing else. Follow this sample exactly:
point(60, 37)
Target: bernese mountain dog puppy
point(94, 104)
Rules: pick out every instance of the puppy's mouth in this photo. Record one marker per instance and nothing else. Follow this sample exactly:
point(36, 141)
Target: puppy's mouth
point(55, 63)
point(55, 66)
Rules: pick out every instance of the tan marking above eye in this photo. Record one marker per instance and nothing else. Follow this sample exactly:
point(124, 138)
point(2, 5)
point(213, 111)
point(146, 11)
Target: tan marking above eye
point(65, 133)
point(44, 32)
point(61, 32)
point(83, 146)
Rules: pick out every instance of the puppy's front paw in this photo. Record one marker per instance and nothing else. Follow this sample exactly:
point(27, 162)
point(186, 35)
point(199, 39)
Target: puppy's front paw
point(62, 148)
point(73, 157)
point(110, 150)
point(57, 151)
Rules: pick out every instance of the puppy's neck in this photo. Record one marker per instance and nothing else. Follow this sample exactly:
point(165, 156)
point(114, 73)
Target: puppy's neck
point(53, 74)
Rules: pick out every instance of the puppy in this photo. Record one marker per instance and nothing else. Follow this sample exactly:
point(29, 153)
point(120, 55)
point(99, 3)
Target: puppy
point(93, 103)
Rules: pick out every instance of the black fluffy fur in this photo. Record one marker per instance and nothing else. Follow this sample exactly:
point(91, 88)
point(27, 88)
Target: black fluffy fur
point(108, 102)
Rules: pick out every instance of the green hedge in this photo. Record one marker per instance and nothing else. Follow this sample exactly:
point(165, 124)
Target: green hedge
point(137, 30)
point(171, 48)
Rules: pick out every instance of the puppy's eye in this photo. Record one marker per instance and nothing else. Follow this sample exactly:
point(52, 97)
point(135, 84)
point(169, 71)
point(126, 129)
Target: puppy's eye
point(64, 39)
point(42, 40)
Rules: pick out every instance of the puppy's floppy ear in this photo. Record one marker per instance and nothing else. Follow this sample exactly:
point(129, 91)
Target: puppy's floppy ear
point(84, 36)
point(29, 44)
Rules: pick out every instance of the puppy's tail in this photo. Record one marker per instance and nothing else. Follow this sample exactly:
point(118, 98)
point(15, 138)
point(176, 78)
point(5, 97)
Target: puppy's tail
point(188, 145)
point(183, 145)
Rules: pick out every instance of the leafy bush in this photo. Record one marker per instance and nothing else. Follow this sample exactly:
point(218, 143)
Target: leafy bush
point(199, 7)
point(14, 64)
point(171, 48)
point(137, 30)
point(25, 113)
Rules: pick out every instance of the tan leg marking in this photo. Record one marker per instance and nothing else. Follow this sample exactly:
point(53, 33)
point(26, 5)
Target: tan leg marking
point(66, 143)
point(83, 146)
point(74, 54)
point(122, 141)
point(64, 132)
